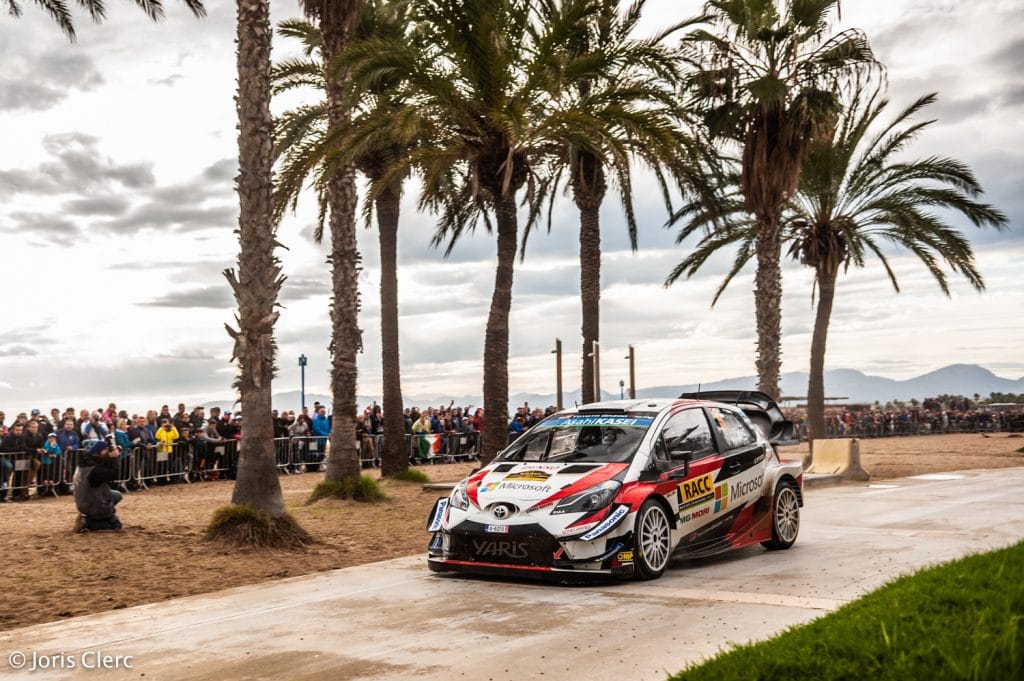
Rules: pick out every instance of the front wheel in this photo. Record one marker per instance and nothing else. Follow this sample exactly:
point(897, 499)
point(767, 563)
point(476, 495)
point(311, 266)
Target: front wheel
point(785, 517)
point(652, 540)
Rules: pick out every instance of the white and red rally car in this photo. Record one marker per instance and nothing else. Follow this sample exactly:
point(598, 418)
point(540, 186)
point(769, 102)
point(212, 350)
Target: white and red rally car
point(618, 488)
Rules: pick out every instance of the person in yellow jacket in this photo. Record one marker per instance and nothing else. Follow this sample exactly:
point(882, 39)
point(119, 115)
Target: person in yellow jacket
point(166, 435)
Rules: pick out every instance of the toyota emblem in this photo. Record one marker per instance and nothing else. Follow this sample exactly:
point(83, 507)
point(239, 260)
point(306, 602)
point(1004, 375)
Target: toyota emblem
point(502, 511)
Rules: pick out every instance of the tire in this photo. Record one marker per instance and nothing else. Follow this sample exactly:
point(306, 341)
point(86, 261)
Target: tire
point(652, 541)
point(785, 517)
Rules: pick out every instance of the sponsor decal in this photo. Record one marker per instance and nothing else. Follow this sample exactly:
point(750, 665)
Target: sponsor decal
point(532, 475)
point(695, 514)
point(524, 487)
point(742, 489)
point(497, 529)
point(721, 497)
point(696, 491)
point(607, 524)
point(435, 522)
point(501, 549)
point(620, 421)
point(435, 543)
point(624, 556)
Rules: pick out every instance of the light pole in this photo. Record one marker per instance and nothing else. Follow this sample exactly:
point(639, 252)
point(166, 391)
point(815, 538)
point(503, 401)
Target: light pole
point(557, 352)
point(302, 387)
point(622, 385)
point(595, 357)
point(632, 373)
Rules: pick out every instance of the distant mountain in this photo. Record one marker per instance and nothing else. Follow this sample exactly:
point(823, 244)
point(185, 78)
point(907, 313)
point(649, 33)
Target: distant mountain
point(850, 384)
point(856, 386)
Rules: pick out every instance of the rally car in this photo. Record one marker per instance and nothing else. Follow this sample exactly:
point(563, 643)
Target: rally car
point(617, 489)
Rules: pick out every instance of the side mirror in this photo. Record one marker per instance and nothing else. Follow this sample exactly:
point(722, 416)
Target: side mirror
point(684, 455)
point(681, 455)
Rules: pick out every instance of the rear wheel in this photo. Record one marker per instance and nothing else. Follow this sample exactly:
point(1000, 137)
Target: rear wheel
point(785, 517)
point(652, 540)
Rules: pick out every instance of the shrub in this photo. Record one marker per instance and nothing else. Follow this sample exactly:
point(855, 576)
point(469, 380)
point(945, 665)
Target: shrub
point(242, 525)
point(363, 488)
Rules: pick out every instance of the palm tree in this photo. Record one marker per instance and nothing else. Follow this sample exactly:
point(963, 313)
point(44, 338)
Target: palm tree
point(855, 196)
point(255, 285)
point(622, 108)
point(772, 84)
point(310, 147)
point(479, 83)
point(61, 13)
point(338, 20)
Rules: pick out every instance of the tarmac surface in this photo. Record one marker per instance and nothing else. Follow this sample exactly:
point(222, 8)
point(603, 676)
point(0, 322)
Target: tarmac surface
point(396, 620)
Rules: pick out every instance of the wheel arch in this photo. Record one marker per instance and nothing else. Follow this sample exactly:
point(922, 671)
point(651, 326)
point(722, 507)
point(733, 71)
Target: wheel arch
point(786, 477)
point(661, 501)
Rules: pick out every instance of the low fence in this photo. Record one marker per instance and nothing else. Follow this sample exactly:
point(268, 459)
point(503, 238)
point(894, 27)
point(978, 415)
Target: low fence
point(140, 467)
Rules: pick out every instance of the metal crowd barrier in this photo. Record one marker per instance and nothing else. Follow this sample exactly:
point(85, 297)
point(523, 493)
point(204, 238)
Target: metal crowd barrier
point(447, 448)
point(308, 452)
point(141, 466)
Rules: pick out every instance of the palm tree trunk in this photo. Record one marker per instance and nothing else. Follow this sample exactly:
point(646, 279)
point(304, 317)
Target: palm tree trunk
point(496, 337)
point(259, 273)
point(816, 380)
point(395, 457)
point(337, 22)
point(768, 304)
point(590, 292)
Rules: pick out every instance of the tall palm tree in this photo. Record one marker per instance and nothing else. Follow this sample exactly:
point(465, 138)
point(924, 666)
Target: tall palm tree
point(771, 83)
point(258, 279)
point(338, 20)
point(855, 196)
point(61, 13)
point(621, 107)
point(479, 80)
point(310, 147)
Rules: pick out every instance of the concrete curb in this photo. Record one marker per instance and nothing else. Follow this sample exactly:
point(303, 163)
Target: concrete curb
point(821, 479)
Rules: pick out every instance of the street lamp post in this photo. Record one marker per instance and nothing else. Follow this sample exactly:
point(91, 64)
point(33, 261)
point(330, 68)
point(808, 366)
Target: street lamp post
point(596, 358)
point(557, 352)
point(622, 385)
point(632, 373)
point(302, 387)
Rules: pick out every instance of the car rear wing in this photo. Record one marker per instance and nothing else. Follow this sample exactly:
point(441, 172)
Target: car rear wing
point(759, 408)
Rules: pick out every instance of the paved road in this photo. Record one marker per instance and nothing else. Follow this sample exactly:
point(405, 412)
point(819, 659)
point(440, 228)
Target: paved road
point(395, 620)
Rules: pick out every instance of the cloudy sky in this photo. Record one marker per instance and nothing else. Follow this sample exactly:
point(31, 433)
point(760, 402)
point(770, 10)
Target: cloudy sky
point(117, 216)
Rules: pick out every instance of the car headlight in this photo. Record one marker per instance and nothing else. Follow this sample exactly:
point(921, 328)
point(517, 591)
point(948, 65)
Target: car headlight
point(460, 499)
point(590, 499)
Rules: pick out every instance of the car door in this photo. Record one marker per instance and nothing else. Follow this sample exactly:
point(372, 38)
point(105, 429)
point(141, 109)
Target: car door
point(693, 495)
point(740, 480)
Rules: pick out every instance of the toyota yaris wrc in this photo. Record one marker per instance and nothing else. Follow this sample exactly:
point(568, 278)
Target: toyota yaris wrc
point(616, 489)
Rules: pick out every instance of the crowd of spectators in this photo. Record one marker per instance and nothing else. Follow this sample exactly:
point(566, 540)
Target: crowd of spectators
point(49, 442)
point(874, 421)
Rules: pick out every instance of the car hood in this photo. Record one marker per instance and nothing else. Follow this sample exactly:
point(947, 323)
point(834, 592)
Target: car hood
point(536, 483)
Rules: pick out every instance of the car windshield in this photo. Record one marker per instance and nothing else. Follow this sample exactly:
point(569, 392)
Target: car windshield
point(597, 438)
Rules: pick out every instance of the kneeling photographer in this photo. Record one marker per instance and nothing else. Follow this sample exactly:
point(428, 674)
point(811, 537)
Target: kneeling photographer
point(96, 502)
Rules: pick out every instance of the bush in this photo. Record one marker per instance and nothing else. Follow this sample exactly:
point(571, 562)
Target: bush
point(410, 475)
point(245, 526)
point(363, 488)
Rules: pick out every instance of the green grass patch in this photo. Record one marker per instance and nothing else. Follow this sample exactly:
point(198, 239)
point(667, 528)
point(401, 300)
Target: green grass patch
point(410, 475)
point(959, 620)
point(245, 526)
point(363, 488)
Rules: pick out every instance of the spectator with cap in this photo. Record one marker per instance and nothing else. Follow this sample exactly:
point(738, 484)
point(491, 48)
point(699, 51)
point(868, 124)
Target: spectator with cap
point(50, 468)
point(95, 500)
